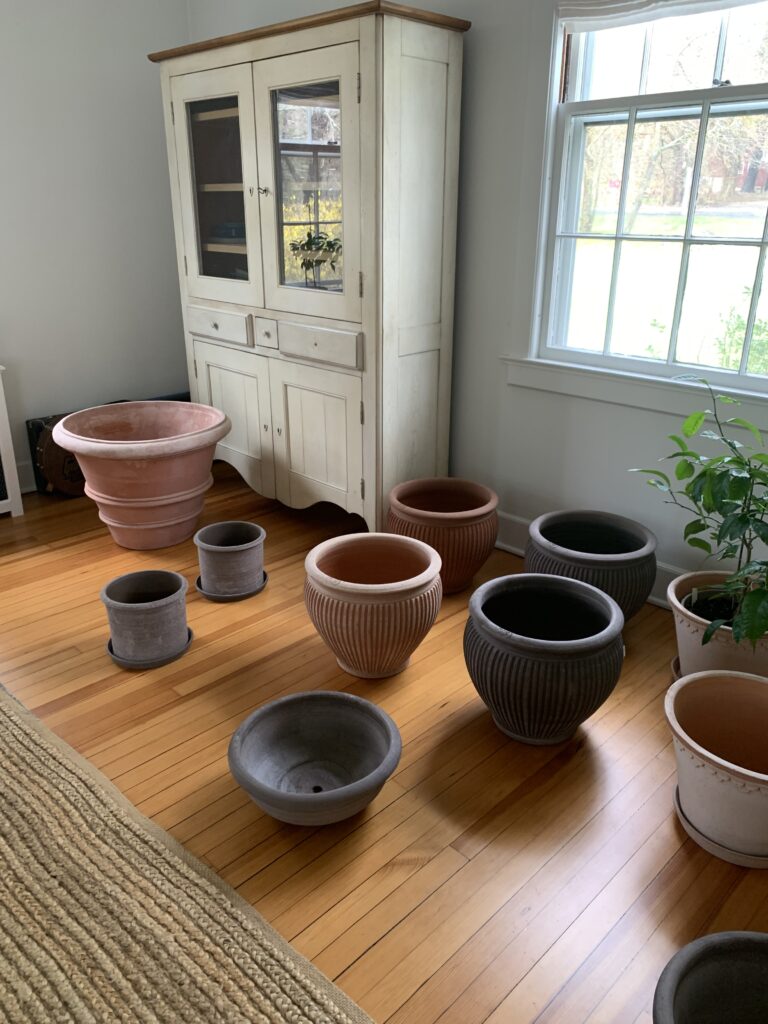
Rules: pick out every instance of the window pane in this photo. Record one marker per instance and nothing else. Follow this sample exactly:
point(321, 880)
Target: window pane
point(731, 201)
point(613, 63)
point(646, 288)
point(658, 191)
point(682, 52)
point(746, 45)
point(757, 361)
point(307, 125)
point(716, 304)
point(588, 263)
point(602, 162)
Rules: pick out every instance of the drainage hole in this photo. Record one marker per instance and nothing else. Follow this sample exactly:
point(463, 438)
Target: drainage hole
point(317, 789)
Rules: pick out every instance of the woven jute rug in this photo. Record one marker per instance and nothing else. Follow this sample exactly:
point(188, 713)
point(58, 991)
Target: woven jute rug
point(104, 917)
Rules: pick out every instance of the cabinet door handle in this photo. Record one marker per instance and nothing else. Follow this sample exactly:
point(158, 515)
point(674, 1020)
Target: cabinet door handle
point(263, 191)
point(267, 334)
point(214, 325)
point(266, 426)
point(279, 431)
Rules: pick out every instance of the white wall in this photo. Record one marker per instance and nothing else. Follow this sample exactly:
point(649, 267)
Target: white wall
point(89, 299)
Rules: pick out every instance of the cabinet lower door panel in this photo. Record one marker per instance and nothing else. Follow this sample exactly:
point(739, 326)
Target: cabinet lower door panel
point(238, 383)
point(317, 436)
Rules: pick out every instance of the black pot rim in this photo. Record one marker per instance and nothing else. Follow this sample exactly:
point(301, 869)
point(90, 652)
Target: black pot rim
point(694, 953)
point(529, 580)
point(201, 542)
point(631, 526)
point(327, 798)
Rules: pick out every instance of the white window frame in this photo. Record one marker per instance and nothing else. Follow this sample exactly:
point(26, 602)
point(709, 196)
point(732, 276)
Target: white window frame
point(544, 350)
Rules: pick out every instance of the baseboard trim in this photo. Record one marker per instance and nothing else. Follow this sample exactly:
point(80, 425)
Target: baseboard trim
point(513, 537)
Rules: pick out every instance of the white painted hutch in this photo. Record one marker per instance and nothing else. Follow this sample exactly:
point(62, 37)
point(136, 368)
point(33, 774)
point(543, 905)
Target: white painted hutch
point(314, 170)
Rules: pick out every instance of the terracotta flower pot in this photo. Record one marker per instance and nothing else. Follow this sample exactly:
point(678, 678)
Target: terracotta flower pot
point(719, 722)
point(373, 598)
point(614, 554)
point(717, 978)
point(147, 465)
point(544, 652)
point(231, 557)
point(722, 652)
point(457, 518)
point(315, 758)
point(147, 618)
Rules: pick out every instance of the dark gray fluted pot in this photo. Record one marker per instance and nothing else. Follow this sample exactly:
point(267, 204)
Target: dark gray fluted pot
point(544, 652)
point(231, 556)
point(614, 554)
point(718, 978)
point(147, 617)
point(315, 758)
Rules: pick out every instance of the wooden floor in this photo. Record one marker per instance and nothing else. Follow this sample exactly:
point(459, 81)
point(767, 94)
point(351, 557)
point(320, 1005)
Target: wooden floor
point(489, 881)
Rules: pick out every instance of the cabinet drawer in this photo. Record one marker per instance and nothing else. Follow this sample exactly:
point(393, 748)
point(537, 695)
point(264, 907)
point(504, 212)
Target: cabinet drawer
point(342, 348)
point(265, 332)
point(214, 323)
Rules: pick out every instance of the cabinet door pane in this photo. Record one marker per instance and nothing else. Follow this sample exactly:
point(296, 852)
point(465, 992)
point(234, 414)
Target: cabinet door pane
point(306, 121)
point(217, 167)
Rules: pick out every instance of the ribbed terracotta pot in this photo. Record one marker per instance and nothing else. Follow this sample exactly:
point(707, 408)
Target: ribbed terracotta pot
point(613, 553)
point(457, 518)
point(373, 598)
point(544, 652)
point(147, 617)
point(717, 979)
point(722, 652)
point(231, 557)
point(147, 465)
point(719, 723)
point(315, 758)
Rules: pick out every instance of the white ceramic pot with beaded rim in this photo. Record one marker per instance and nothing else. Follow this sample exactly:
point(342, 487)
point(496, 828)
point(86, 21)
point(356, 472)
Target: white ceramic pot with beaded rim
point(719, 723)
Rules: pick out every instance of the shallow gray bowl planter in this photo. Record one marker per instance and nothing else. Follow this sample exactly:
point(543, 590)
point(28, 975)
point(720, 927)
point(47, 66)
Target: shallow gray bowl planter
point(314, 758)
point(544, 652)
point(147, 618)
point(718, 978)
point(614, 554)
point(231, 556)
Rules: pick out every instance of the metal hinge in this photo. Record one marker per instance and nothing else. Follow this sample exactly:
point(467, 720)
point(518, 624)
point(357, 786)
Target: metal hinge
point(358, 86)
point(361, 284)
point(173, 116)
point(362, 489)
point(362, 413)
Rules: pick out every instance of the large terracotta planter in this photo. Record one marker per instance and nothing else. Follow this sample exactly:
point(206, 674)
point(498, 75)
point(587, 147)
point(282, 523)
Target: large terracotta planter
point(315, 758)
point(544, 652)
point(457, 518)
point(147, 618)
point(717, 978)
point(722, 652)
point(719, 722)
point(614, 554)
point(147, 465)
point(373, 597)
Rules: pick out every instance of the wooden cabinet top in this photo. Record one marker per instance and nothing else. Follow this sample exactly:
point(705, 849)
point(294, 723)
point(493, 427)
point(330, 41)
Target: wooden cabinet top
point(314, 20)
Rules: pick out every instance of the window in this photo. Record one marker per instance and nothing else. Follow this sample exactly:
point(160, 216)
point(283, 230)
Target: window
point(659, 220)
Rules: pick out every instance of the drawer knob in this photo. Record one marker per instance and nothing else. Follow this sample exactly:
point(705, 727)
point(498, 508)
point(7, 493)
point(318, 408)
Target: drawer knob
point(267, 334)
point(266, 426)
point(279, 431)
point(215, 326)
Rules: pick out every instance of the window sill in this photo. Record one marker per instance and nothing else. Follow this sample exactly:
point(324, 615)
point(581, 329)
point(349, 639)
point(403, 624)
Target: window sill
point(653, 394)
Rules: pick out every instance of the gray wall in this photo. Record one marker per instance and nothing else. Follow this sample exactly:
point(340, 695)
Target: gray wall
point(89, 300)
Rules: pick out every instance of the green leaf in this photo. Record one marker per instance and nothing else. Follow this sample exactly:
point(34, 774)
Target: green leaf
point(748, 426)
point(727, 400)
point(761, 529)
point(681, 444)
point(654, 472)
point(712, 628)
point(697, 542)
point(760, 457)
point(693, 423)
point(695, 526)
point(752, 616)
point(684, 469)
point(711, 435)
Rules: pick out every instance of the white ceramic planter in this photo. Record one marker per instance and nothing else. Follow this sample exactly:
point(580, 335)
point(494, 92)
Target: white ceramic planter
point(721, 652)
point(719, 722)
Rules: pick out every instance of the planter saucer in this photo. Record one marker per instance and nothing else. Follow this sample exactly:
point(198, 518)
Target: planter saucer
point(139, 664)
point(745, 860)
point(230, 597)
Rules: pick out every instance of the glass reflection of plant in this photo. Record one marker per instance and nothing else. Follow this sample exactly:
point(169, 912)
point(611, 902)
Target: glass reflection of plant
point(313, 251)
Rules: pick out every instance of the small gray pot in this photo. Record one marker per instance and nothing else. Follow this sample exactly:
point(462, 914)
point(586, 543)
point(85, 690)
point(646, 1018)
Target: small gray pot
point(614, 554)
point(231, 556)
point(147, 617)
point(314, 758)
point(544, 652)
point(720, 977)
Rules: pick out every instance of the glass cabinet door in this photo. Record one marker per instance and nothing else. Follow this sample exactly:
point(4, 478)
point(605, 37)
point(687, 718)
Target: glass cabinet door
point(308, 125)
point(214, 126)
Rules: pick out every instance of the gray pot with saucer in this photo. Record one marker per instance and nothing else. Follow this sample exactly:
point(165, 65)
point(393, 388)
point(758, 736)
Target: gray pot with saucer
point(147, 618)
point(231, 556)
